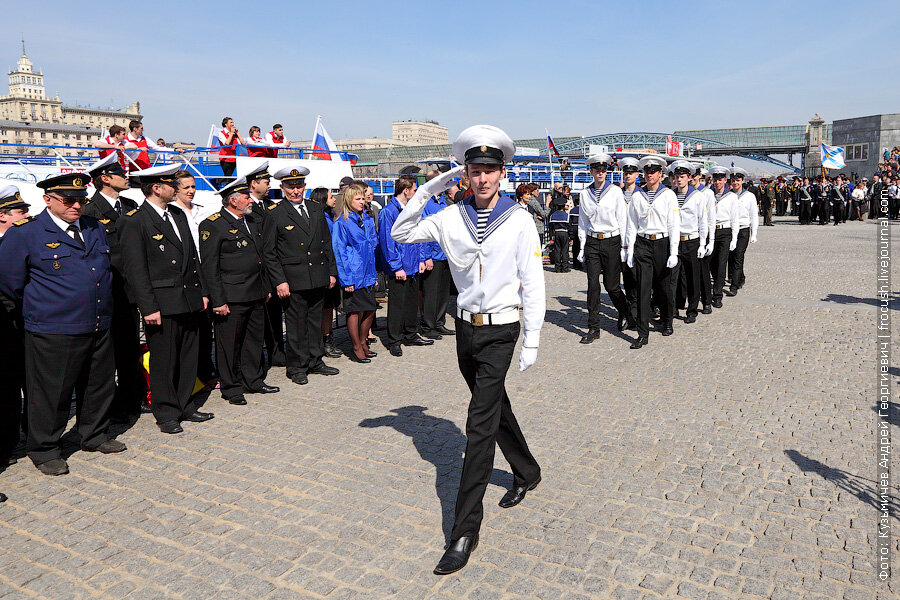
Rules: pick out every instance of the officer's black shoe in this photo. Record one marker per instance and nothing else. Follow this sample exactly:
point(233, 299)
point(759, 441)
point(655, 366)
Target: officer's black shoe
point(170, 427)
point(691, 318)
point(517, 493)
point(55, 466)
point(198, 417)
point(418, 340)
point(331, 350)
point(707, 309)
point(445, 330)
point(457, 555)
point(2, 497)
point(265, 388)
point(667, 329)
point(590, 336)
point(639, 343)
point(432, 335)
point(396, 350)
point(107, 447)
point(323, 369)
point(717, 303)
point(731, 292)
point(237, 401)
point(300, 379)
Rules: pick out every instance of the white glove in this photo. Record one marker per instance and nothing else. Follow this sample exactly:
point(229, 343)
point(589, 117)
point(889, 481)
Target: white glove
point(732, 245)
point(624, 255)
point(701, 251)
point(672, 262)
point(629, 260)
point(753, 240)
point(527, 357)
point(709, 248)
point(580, 257)
point(439, 184)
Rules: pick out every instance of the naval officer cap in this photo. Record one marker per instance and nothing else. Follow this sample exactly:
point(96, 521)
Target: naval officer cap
point(652, 163)
point(484, 145)
point(599, 161)
point(737, 173)
point(11, 198)
point(238, 186)
point(66, 184)
point(681, 167)
point(295, 174)
point(108, 165)
point(718, 171)
point(161, 174)
point(260, 171)
point(629, 164)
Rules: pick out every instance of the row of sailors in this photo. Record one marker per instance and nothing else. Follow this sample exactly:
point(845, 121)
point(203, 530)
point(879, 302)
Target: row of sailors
point(670, 246)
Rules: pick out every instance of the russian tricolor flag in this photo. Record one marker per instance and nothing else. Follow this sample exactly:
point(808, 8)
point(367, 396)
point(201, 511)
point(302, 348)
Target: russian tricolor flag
point(323, 145)
point(550, 145)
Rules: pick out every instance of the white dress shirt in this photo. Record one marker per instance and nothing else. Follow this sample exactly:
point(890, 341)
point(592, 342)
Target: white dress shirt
point(658, 217)
point(727, 213)
point(195, 216)
point(601, 211)
point(65, 226)
point(693, 214)
point(710, 215)
point(748, 215)
point(162, 212)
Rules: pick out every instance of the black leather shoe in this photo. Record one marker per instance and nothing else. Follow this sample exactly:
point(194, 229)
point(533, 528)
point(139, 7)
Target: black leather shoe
point(323, 369)
point(331, 350)
point(300, 379)
point(170, 427)
point(717, 303)
point(237, 401)
point(2, 497)
point(517, 494)
point(352, 356)
point(396, 350)
point(731, 292)
point(445, 331)
point(371, 354)
point(667, 329)
point(265, 388)
point(432, 335)
point(691, 318)
point(108, 447)
point(418, 340)
point(640, 342)
point(198, 417)
point(59, 466)
point(590, 336)
point(457, 555)
point(707, 309)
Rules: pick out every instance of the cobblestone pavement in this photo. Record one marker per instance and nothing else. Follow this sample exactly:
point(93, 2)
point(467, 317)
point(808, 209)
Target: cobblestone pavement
point(734, 459)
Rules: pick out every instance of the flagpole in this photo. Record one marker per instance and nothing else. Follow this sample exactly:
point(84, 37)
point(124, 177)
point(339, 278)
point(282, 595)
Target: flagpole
point(549, 158)
point(312, 144)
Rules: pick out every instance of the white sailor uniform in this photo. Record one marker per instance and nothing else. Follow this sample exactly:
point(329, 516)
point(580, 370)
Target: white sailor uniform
point(727, 213)
point(692, 242)
point(748, 225)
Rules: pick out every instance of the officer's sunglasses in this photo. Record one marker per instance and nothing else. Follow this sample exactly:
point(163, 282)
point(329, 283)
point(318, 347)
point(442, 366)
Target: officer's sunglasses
point(67, 200)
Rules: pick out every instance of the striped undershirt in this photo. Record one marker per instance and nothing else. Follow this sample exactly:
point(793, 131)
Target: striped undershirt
point(628, 194)
point(483, 214)
point(652, 195)
point(680, 197)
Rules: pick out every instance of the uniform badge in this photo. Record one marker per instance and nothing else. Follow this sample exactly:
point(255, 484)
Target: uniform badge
point(53, 245)
point(288, 227)
point(56, 265)
point(131, 213)
point(295, 173)
point(162, 248)
point(232, 231)
point(204, 235)
point(537, 250)
point(104, 221)
point(244, 243)
point(272, 206)
point(214, 216)
point(238, 243)
point(158, 236)
point(77, 182)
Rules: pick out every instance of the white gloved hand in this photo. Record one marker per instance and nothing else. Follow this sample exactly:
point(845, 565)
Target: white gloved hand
point(732, 245)
point(527, 357)
point(629, 260)
point(701, 251)
point(753, 240)
point(709, 249)
point(672, 262)
point(580, 257)
point(624, 255)
point(440, 183)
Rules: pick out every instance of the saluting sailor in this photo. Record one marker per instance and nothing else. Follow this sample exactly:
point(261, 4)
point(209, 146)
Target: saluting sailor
point(57, 265)
point(693, 228)
point(748, 224)
point(652, 247)
point(699, 180)
point(601, 227)
point(495, 259)
point(727, 213)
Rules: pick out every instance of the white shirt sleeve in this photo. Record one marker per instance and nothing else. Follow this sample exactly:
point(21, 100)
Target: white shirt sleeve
point(711, 215)
point(409, 226)
point(530, 266)
point(673, 224)
point(754, 216)
point(622, 218)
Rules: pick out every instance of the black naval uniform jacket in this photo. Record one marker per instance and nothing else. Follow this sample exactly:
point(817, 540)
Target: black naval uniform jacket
point(162, 272)
point(301, 254)
point(232, 259)
point(99, 208)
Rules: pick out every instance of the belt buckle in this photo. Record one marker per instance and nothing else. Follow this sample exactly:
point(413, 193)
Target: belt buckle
point(478, 319)
point(653, 237)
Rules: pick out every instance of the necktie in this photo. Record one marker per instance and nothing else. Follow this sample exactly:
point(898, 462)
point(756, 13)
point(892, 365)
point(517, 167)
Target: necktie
point(118, 207)
point(171, 224)
point(243, 222)
point(303, 212)
point(76, 235)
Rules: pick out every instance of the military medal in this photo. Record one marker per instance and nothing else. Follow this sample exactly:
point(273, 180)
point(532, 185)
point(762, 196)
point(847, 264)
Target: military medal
point(56, 265)
point(162, 248)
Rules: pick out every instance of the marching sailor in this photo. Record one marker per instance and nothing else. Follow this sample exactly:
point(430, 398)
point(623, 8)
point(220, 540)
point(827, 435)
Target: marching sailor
point(601, 225)
point(495, 259)
point(630, 170)
point(748, 224)
point(693, 229)
point(699, 181)
point(727, 213)
point(652, 246)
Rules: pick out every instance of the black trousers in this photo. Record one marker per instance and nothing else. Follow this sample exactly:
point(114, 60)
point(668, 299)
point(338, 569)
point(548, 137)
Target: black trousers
point(576, 250)
point(824, 212)
point(58, 365)
point(705, 281)
point(736, 259)
point(403, 310)
point(227, 167)
point(629, 282)
point(805, 210)
point(303, 318)
point(651, 273)
point(173, 364)
point(274, 332)
point(206, 369)
point(719, 261)
point(689, 275)
point(603, 257)
point(435, 296)
point(484, 354)
point(239, 348)
point(561, 249)
point(839, 212)
point(131, 388)
point(12, 382)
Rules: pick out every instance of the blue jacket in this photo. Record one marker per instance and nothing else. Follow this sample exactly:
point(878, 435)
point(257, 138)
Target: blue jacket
point(64, 289)
point(354, 241)
point(433, 250)
point(392, 255)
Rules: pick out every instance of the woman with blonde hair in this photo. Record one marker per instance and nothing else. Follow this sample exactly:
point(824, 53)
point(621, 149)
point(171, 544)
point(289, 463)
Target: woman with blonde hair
point(354, 240)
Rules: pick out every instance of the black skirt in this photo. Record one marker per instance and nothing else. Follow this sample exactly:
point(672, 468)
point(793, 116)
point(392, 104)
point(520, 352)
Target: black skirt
point(360, 300)
point(333, 297)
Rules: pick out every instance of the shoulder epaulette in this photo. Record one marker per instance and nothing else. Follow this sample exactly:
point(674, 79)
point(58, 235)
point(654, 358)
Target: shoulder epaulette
point(214, 216)
point(130, 213)
point(23, 221)
point(272, 206)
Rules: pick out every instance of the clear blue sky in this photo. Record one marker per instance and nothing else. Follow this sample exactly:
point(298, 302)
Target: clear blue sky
point(576, 68)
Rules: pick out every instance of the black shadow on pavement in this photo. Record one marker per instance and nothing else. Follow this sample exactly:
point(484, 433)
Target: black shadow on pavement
point(893, 302)
point(576, 310)
point(440, 442)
